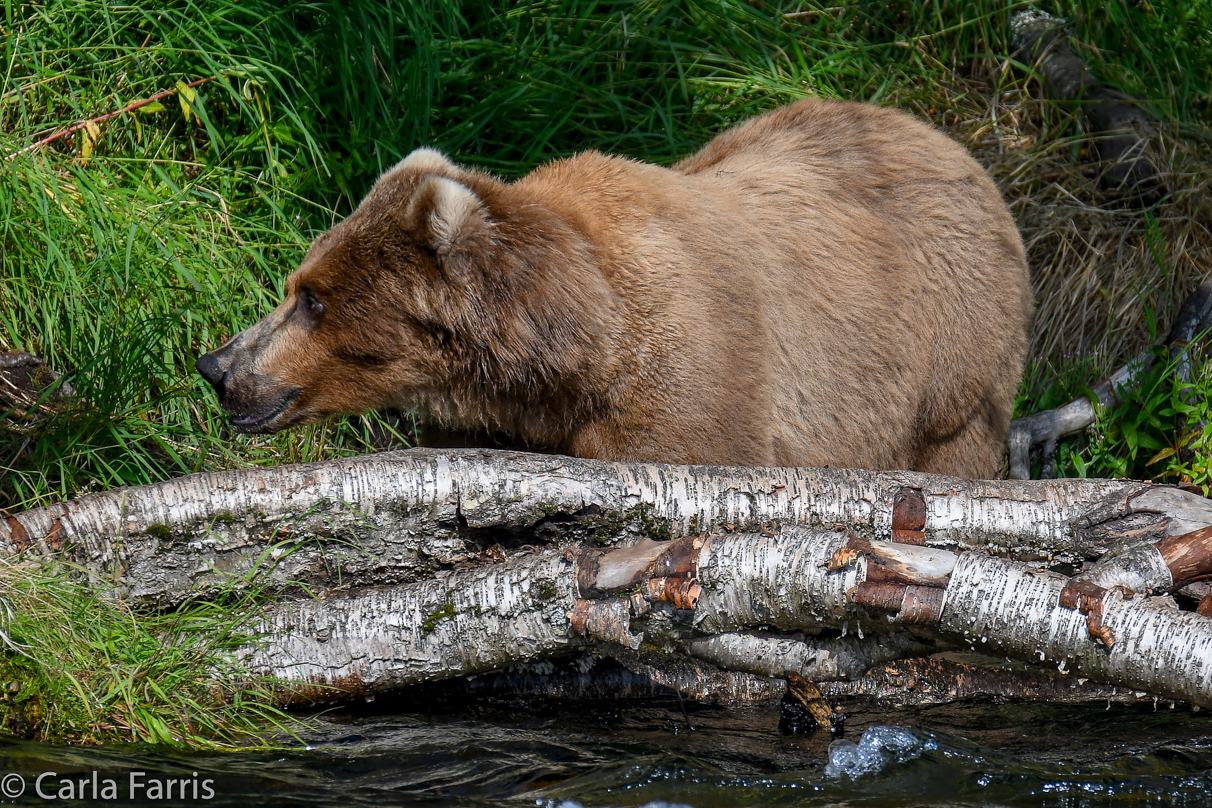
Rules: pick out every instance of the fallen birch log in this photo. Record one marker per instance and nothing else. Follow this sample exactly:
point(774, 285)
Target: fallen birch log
point(402, 517)
point(707, 587)
point(433, 565)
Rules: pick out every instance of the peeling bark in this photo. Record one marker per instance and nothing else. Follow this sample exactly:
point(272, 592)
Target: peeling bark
point(477, 620)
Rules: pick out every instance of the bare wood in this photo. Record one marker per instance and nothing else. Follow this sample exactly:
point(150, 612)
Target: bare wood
point(603, 572)
point(906, 563)
point(1188, 557)
point(1140, 567)
point(808, 696)
point(1185, 510)
point(1047, 427)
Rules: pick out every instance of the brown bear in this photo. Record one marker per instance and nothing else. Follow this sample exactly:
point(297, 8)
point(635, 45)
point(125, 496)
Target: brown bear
point(830, 283)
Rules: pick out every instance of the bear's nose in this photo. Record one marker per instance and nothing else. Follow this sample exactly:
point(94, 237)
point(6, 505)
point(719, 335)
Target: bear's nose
point(208, 366)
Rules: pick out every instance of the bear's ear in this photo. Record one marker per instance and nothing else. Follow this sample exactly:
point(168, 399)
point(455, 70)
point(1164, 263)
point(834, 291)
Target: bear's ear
point(453, 218)
point(425, 161)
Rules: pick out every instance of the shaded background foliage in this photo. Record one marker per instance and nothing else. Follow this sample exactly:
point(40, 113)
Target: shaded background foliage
point(130, 248)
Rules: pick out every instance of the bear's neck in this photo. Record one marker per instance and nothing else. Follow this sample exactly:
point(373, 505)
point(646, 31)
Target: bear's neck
point(540, 351)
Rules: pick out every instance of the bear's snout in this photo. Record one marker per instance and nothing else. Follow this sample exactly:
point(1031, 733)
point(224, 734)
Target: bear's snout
point(255, 401)
point(214, 373)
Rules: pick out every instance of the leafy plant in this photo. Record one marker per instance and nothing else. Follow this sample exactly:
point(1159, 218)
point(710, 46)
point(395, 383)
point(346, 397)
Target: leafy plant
point(1158, 429)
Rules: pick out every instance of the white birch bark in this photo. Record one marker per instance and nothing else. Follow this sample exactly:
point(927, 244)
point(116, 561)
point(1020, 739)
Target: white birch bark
point(814, 659)
point(436, 564)
point(781, 582)
point(1003, 607)
point(462, 622)
point(400, 517)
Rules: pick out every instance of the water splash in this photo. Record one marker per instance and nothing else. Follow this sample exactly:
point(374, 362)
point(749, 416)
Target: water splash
point(878, 747)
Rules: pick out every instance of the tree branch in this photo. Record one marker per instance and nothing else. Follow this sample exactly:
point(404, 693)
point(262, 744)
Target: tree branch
point(1126, 130)
point(100, 118)
point(1049, 426)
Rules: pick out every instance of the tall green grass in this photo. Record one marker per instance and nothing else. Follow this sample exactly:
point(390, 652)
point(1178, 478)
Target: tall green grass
point(81, 667)
point(180, 227)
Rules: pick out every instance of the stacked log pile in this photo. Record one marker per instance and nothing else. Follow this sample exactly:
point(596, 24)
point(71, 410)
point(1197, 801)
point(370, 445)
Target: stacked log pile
point(419, 566)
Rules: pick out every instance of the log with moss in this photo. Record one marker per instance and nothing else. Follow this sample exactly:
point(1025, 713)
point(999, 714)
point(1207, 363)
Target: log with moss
point(1125, 130)
point(417, 566)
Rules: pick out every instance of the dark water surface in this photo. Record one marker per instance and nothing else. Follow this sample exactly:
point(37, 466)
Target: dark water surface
point(636, 753)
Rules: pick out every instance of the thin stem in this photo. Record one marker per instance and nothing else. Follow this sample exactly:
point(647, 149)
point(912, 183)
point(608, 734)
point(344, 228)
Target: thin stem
point(128, 108)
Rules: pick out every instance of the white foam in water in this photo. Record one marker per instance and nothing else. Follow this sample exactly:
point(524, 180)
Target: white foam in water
point(878, 747)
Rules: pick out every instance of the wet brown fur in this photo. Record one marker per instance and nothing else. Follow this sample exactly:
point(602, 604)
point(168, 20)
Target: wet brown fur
point(827, 284)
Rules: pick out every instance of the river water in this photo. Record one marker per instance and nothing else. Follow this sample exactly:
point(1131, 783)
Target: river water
point(657, 751)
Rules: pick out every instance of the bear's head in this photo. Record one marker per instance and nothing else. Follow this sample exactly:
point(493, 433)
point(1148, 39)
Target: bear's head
point(443, 289)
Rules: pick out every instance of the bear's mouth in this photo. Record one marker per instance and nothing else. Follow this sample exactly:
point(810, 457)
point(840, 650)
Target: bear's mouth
point(261, 420)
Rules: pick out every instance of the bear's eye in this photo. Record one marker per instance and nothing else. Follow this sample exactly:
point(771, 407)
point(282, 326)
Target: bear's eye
point(310, 304)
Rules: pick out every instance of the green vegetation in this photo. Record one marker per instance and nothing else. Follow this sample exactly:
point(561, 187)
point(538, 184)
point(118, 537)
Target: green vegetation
point(1160, 428)
point(129, 247)
point(430, 624)
point(78, 667)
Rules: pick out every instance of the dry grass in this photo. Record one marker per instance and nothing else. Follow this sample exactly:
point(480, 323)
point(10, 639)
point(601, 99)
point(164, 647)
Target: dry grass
point(1108, 276)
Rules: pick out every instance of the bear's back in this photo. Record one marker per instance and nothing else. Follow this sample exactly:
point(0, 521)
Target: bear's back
point(828, 284)
point(898, 253)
